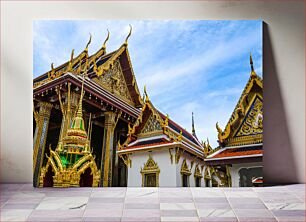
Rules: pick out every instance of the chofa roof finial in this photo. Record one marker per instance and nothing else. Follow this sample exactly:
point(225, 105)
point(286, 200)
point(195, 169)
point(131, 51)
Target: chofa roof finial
point(89, 41)
point(104, 44)
point(128, 36)
point(72, 54)
point(145, 92)
point(252, 67)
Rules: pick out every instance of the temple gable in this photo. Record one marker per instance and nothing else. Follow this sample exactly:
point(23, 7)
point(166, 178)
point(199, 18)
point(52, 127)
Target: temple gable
point(252, 123)
point(151, 125)
point(113, 80)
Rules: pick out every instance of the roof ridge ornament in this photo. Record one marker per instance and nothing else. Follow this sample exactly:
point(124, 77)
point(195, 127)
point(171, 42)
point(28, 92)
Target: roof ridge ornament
point(253, 73)
point(146, 94)
point(69, 68)
point(107, 38)
point(72, 54)
point(51, 74)
point(88, 43)
point(128, 36)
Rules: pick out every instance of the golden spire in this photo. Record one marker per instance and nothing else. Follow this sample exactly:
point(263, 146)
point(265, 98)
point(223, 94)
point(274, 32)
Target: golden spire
point(104, 44)
point(80, 108)
point(193, 129)
point(252, 67)
point(128, 36)
point(89, 41)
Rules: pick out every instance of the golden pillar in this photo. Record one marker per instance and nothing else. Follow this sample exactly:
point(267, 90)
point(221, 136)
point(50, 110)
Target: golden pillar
point(111, 119)
point(42, 123)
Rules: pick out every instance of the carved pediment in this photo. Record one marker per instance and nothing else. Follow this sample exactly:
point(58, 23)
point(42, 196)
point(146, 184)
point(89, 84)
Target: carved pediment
point(152, 125)
point(197, 171)
point(150, 166)
point(185, 169)
point(253, 121)
point(113, 80)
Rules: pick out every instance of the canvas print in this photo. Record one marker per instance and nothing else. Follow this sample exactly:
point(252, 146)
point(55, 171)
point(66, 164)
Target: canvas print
point(144, 103)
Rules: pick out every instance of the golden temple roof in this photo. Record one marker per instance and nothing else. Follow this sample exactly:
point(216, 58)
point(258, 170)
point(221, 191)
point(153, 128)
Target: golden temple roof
point(247, 112)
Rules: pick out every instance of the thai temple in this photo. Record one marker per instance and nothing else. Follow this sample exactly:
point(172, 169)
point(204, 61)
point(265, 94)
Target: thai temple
point(92, 128)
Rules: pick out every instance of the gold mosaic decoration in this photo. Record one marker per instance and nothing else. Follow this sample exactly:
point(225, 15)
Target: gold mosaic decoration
point(73, 155)
point(114, 81)
point(151, 125)
point(253, 122)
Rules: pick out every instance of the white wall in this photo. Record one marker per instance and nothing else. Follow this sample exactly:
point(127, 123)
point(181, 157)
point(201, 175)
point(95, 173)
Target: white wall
point(284, 67)
point(162, 158)
point(234, 170)
point(189, 159)
point(170, 174)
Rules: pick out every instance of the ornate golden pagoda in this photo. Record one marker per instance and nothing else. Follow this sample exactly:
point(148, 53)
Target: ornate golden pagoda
point(72, 163)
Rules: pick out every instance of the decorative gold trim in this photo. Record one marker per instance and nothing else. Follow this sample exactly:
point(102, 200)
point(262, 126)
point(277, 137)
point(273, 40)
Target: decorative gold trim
point(197, 171)
point(178, 153)
point(126, 159)
point(185, 169)
point(171, 155)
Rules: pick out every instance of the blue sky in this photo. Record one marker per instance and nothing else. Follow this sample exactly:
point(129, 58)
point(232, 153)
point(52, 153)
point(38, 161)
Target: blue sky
point(188, 66)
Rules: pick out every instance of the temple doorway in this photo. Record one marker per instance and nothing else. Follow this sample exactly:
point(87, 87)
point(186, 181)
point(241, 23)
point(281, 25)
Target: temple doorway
point(185, 180)
point(150, 180)
point(86, 178)
point(198, 181)
point(48, 179)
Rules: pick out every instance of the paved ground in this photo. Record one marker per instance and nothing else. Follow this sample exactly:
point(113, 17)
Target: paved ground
point(21, 202)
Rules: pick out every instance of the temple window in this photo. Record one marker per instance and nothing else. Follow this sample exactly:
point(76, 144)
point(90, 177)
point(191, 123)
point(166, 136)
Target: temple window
point(185, 180)
point(150, 173)
point(197, 176)
point(198, 181)
point(185, 172)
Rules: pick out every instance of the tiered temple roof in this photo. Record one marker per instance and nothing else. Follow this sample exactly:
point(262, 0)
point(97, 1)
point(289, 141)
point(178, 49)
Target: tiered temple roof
point(242, 136)
point(154, 130)
point(109, 78)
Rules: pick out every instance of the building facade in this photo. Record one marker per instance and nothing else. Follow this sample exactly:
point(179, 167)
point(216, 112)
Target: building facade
point(92, 128)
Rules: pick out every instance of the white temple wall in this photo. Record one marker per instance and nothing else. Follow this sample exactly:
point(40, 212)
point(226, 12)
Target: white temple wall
point(170, 174)
point(162, 158)
point(234, 170)
point(189, 159)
